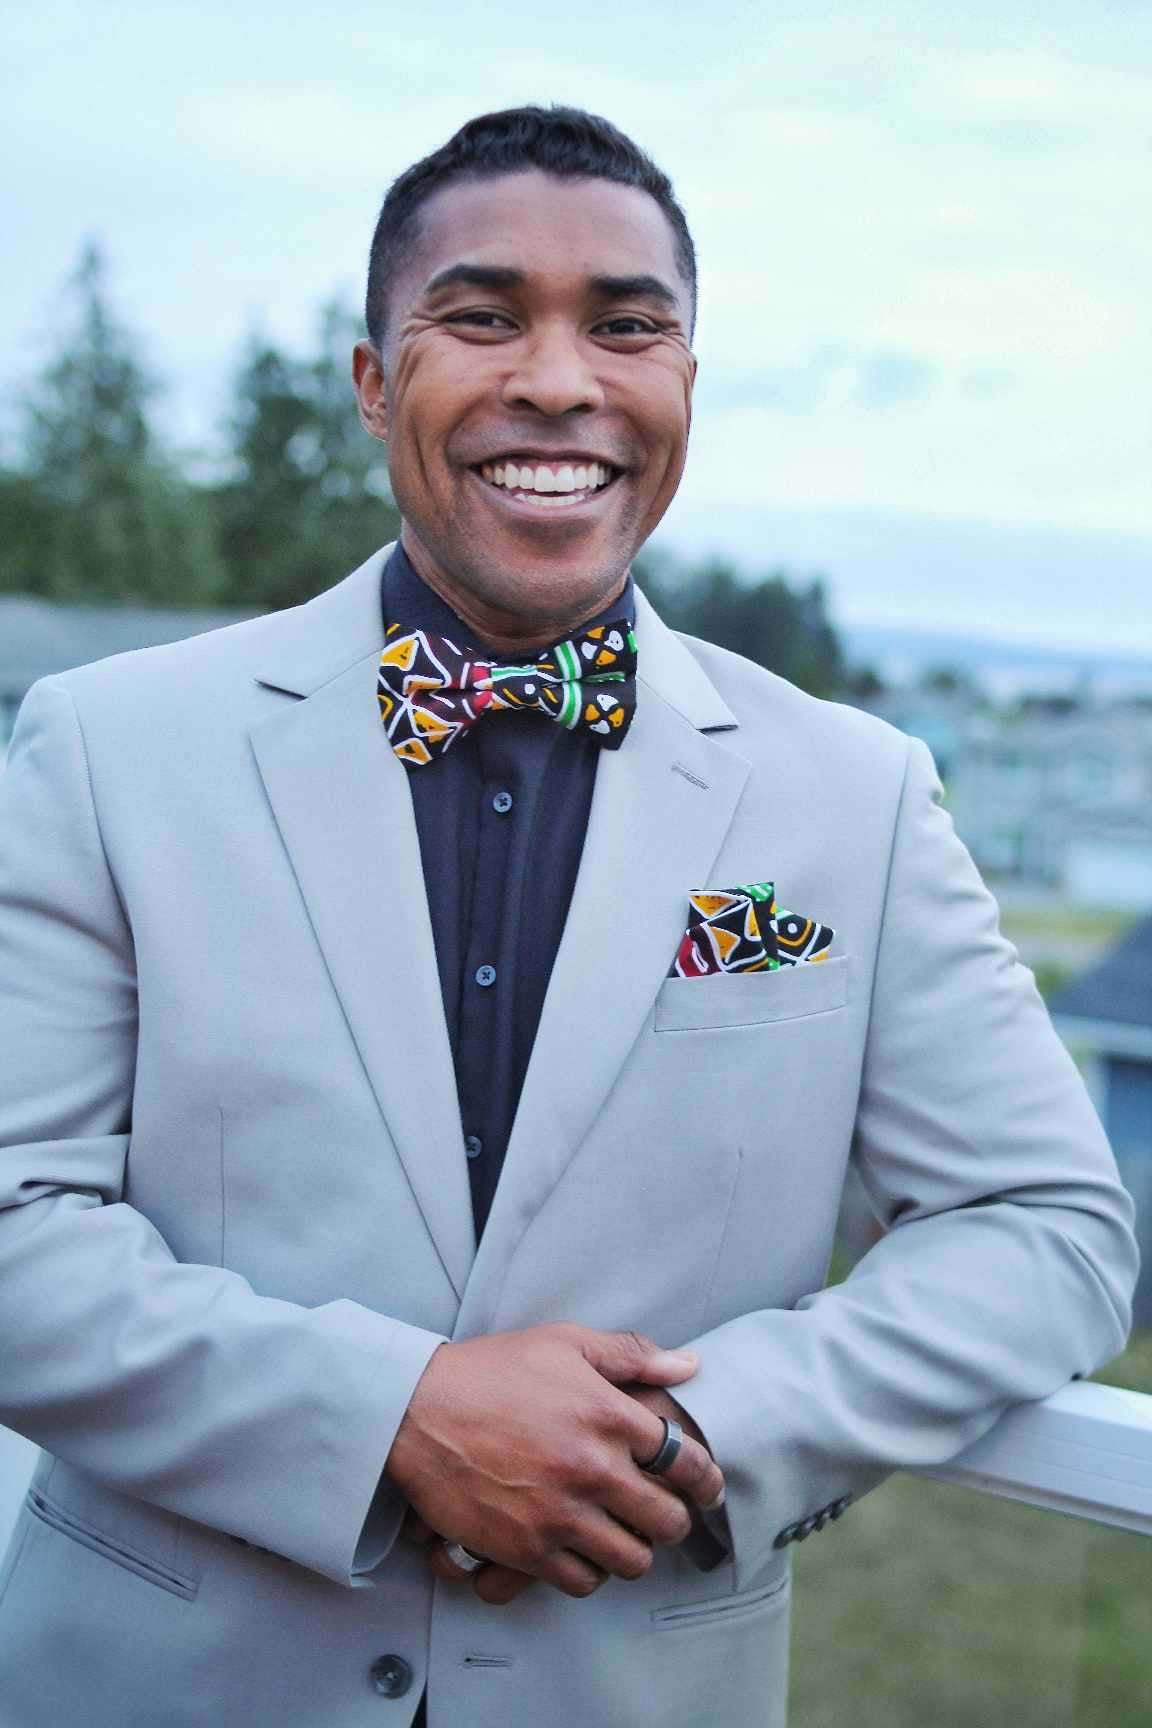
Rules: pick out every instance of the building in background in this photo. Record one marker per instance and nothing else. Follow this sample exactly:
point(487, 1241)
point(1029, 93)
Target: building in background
point(39, 637)
point(1054, 797)
point(1061, 800)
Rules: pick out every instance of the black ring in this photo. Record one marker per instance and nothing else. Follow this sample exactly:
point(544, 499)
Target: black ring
point(669, 1448)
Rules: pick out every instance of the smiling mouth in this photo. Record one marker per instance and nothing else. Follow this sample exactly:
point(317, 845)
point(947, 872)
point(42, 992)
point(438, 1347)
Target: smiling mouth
point(551, 484)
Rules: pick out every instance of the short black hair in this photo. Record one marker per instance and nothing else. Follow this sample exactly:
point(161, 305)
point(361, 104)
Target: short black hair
point(566, 142)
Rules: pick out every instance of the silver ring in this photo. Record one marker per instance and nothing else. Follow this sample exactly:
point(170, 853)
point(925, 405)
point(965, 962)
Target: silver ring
point(669, 1449)
point(463, 1558)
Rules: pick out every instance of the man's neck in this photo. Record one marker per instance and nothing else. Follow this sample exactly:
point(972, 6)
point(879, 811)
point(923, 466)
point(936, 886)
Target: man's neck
point(508, 634)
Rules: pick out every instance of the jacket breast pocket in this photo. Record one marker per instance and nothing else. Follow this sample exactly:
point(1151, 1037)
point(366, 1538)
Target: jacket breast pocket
point(753, 998)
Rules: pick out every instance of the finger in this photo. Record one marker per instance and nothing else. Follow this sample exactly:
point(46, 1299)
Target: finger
point(571, 1573)
point(414, 1529)
point(667, 1367)
point(624, 1356)
point(641, 1429)
point(608, 1545)
point(499, 1585)
point(660, 1401)
point(695, 1474)
point(655, 1513)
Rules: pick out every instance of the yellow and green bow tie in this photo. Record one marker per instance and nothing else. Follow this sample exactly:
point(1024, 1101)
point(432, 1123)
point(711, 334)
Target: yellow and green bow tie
point(432, 692)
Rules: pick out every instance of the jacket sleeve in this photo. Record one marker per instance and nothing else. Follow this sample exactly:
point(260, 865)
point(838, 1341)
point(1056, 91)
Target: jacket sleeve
point(172, 1382)
point(1009, 1259)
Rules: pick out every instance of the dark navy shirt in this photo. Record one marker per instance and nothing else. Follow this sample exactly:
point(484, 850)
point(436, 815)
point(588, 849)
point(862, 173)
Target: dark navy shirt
point(501, 818)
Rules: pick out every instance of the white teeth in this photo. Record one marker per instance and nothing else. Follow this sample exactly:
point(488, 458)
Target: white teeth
point(541, 480)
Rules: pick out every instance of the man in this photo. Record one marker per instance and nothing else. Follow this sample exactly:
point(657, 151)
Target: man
point(382, 1116)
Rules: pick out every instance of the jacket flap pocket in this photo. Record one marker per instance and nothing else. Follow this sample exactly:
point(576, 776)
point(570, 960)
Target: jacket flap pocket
point(112, 1547)
point(701, 1611)
point(752, 998)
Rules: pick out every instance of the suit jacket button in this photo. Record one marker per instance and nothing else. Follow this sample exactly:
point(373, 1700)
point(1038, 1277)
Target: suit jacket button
point(391, 1676)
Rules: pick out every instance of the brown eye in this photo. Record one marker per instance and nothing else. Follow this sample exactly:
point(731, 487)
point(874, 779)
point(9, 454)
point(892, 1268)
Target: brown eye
point(481, 320)
point(627, 327)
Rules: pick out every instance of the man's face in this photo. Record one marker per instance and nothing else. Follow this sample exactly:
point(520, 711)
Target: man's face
point(535, 392)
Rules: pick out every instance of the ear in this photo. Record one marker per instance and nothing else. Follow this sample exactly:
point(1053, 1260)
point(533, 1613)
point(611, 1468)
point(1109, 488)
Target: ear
point(368, 379)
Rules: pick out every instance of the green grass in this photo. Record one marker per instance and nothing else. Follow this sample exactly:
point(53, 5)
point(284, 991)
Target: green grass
point(1086, 923)
point(935, 1607)
point(1132, 1369)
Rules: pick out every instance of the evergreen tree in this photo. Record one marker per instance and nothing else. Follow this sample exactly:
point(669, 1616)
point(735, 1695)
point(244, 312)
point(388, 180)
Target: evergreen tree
point(307, 499)
point(98, 512)
point(95, 510)
point(781, 625)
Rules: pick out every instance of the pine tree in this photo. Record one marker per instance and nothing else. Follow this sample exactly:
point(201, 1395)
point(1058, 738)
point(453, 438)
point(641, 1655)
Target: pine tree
point(781, 624)
point(98, 511)
point(307, 499)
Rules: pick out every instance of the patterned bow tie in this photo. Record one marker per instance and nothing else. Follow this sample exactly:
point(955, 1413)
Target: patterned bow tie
point(432, 692)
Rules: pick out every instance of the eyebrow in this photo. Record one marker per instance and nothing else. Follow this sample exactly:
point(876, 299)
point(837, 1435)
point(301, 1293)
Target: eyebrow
point(635, 287)
point(499, 276)
point(475, 276)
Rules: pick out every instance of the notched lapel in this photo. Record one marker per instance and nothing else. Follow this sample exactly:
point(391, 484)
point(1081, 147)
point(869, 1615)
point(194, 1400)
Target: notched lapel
point(344, 811)
point(661, 808)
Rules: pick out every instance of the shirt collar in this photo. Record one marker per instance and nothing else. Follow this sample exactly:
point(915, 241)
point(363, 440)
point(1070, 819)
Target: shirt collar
point(406, 599)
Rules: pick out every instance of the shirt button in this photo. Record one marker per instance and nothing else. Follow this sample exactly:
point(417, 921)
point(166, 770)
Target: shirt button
point(473, 1145)
point(391, 1676)
point(502, 803)
point(485, 975)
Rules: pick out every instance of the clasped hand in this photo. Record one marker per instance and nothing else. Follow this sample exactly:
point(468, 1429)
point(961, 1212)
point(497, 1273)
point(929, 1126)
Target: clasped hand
point(526, 1447)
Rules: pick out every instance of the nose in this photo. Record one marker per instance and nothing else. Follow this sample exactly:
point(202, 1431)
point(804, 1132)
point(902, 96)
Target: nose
point(553, 374)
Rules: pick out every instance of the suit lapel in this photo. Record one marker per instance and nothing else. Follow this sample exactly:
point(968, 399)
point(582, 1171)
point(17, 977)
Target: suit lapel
point(661, 808)
point(344, 811)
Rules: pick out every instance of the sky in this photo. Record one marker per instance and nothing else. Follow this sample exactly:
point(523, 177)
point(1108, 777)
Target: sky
point(926, 256)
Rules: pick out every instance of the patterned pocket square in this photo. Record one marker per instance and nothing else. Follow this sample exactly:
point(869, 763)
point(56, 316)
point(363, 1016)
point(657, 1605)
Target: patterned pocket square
point(743, 930)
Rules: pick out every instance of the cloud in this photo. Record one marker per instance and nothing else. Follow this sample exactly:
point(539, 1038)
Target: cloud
point(889, 379)
point(1031, 85)
point(987, 383)
point(838, 377)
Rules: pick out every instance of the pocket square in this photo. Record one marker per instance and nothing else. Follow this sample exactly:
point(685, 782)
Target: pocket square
point(743, 930)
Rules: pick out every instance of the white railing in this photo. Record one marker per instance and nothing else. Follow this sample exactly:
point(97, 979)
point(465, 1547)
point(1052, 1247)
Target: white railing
point(1086, 1451)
